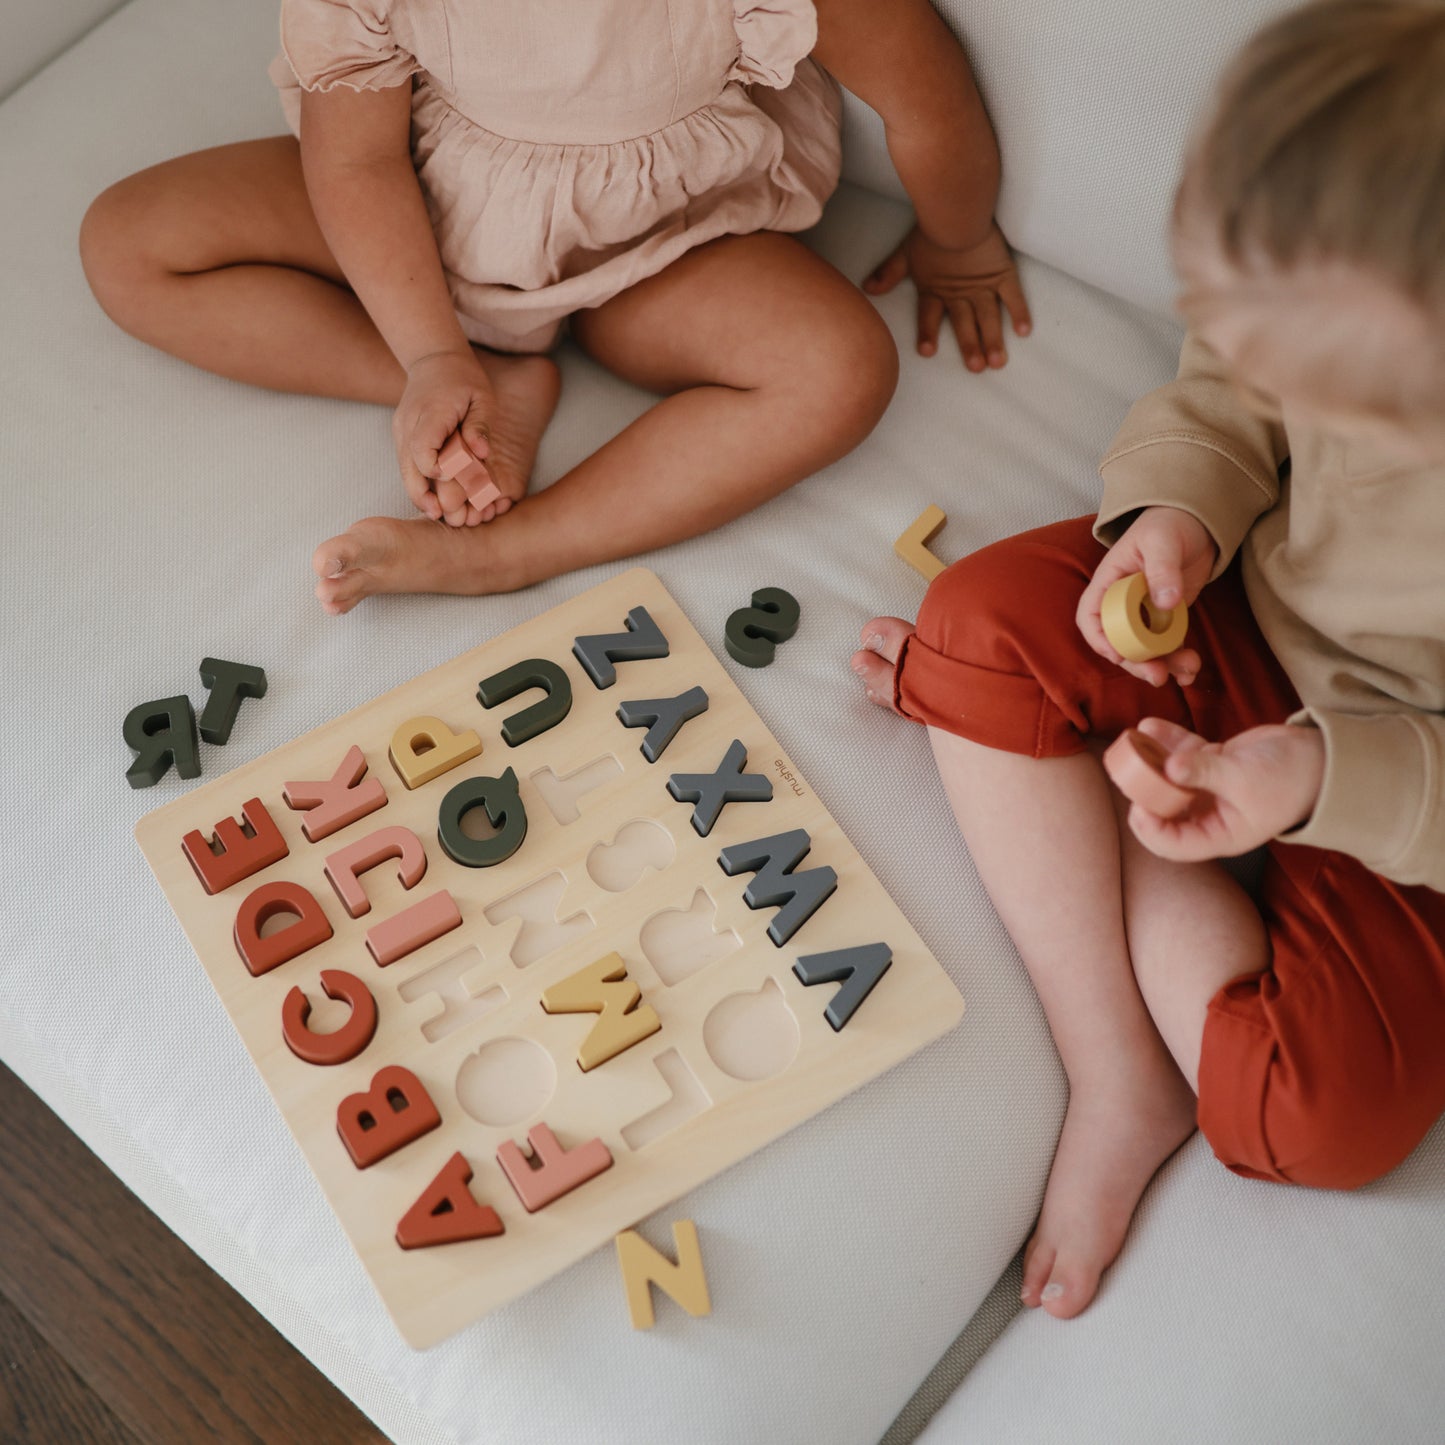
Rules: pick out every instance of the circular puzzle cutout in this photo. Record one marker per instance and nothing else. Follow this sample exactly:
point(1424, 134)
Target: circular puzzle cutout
point(506, 1081)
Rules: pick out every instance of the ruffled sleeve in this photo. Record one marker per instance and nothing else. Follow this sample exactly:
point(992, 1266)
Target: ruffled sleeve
point(343, 42)
point(773, 36)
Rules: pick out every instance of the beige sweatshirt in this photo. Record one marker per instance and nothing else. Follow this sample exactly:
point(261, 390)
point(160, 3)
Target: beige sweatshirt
point(1344, 565)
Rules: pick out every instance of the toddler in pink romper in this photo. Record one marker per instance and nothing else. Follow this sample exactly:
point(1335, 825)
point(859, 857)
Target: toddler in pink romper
point(465, 177)
point(568, 150)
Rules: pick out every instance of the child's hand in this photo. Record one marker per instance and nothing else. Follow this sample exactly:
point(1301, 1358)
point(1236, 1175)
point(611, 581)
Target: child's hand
point(444, 391)
point(1176, 553)
point(1252, 788)
point(971, 285)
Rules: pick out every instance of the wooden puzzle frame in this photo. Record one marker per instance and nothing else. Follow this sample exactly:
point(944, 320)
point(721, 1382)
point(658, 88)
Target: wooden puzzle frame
point(590, 853)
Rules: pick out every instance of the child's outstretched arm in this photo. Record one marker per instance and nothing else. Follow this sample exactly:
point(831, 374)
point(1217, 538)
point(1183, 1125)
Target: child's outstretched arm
point(355, 154)
point(901, 59)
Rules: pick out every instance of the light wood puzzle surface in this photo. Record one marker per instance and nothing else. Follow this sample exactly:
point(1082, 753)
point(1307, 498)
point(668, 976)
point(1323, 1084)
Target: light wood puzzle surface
point(610, 863)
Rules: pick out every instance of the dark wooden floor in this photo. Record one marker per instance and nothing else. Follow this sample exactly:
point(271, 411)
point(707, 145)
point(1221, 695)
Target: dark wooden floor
point(111, 1330)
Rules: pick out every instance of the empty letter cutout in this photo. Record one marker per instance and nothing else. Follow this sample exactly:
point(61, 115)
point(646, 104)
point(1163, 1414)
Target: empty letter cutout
point(539, 907)
point(460, 1004)
point(563, 796)
point(686, 1100)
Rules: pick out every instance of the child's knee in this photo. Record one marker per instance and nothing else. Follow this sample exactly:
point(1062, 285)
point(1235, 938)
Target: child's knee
point(112, 250)
point(872, 366)
point(1338, 1134)
point(990, 603)
point(850, 364)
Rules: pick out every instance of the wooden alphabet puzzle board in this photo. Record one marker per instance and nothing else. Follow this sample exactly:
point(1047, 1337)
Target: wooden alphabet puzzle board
point(726, 1048)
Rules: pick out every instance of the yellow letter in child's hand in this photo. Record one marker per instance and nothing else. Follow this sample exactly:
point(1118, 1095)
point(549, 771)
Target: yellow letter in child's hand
point(604, 988)
point(643, 1266)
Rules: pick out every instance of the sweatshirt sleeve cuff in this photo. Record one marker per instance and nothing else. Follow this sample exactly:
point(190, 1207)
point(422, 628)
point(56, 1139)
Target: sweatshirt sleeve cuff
point(1193, 472)
point(1381, 799)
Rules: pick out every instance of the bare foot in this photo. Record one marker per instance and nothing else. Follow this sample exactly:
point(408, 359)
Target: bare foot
point(1116, 1135)
point(382, 554)
point(882, 639)
point(525, 389)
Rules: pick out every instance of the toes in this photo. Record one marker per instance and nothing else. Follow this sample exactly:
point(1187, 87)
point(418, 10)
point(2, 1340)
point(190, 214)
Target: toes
point(877, 677)
point(331, 601)
point(334, 558)
point(886, 636)
point(1038, 1265)
point(1066, 1295)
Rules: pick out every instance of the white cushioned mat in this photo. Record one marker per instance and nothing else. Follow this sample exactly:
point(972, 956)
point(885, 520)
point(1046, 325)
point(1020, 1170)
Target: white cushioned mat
point(156, 515)
point(1241, 1312)
point(38, 30)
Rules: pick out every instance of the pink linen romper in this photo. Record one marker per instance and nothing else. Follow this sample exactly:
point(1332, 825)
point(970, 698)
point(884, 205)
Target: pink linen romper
point(567, 149)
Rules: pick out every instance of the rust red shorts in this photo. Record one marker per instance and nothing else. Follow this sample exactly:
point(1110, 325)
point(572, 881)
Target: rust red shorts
point(1328, 1066)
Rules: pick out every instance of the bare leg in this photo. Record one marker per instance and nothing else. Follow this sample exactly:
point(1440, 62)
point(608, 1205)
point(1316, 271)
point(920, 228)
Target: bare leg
point(1044, 837)
point(774, 365)
point(1191, 929)
point(216, 258)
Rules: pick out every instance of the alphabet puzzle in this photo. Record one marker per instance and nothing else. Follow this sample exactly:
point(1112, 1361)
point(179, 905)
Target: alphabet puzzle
point(534, 944)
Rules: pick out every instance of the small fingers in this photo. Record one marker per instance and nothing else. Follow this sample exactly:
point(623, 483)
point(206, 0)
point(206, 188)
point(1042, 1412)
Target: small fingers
point(1155, 672)
point(1086, 618)
point(1183, 666)
point(1166, 581)
point(1011, 293)
point(1182, 842)
point(990, 327)
point(1091, 602)
point(962, 313)
point(887, 274)
point(475, 435)
point(418, 488)
point(1170, 735)
point(930, 318)
point(423, 456)
point(453, 502)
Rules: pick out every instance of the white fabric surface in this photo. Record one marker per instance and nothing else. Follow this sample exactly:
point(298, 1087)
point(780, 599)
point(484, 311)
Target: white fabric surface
point(1238, 1312)
point(36, 32)
point(156, 515)
point(1093, 102)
